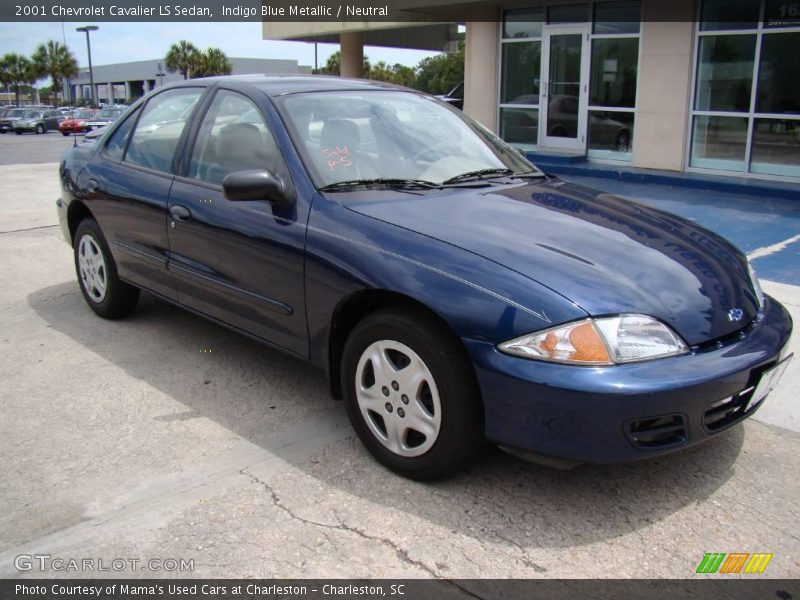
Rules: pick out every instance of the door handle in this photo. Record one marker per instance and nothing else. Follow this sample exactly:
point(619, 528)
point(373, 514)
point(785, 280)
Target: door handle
point(92, 186)
point(180, 213)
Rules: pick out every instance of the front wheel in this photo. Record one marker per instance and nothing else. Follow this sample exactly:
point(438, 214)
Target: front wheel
point(104, 292)
point(40, 129)
point(411, 394)
point(65, 133)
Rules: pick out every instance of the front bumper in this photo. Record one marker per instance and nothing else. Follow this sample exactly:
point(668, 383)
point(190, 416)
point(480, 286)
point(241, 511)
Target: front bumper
point(626, 412)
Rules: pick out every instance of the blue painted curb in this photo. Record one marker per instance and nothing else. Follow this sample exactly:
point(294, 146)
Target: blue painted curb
point(734, 185)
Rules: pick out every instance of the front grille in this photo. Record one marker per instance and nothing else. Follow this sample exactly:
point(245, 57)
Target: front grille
point(728, 411)
point(657, 432)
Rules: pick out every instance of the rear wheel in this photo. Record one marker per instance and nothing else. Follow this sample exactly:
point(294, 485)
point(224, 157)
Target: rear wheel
point(104, 292)
point(65, 133)
point(411, 394)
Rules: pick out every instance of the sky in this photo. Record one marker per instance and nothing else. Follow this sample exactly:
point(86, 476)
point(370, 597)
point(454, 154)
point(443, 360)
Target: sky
point(124, 42)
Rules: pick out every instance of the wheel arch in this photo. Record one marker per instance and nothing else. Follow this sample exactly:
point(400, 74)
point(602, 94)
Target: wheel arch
point(77, 212)
point(354, 308)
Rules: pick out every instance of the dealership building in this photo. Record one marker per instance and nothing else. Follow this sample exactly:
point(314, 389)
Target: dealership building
point(708, 86)
point(120, 83)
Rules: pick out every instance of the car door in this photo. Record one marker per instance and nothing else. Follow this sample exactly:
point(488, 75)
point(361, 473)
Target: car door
point(240, 262)
point(52, 120)
point(128, 183)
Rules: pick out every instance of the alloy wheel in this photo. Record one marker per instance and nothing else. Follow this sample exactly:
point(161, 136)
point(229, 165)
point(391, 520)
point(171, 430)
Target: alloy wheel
point(398, 398)
point(93, 270)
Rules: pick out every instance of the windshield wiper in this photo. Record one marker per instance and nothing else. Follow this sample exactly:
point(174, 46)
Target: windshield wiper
point(418, 184)
point(488, 173)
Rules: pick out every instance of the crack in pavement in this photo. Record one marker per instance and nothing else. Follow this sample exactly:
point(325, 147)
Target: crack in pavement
point(22, 229)
point(399, 551)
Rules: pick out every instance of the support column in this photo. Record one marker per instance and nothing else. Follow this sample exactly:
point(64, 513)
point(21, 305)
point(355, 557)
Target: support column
point(482, 45)
point(110, 92)
point(665, 75)
point(352, 47)
point(78, 93)
point(127, 91)
point(146, 86)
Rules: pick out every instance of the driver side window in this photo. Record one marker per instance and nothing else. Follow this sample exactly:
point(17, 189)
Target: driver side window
point(233, 137)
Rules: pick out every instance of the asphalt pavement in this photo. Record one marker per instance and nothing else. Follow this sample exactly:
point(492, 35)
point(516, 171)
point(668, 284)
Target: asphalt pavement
point(163, 436)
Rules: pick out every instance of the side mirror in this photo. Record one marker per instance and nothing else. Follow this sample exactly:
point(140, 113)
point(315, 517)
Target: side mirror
point(256, 184)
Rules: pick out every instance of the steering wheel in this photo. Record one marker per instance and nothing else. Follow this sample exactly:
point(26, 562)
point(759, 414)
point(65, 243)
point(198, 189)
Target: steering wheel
point(429, 149)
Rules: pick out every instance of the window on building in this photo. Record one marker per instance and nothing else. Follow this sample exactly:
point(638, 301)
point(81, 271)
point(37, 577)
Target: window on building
point(520, 73)
point(746, 105)
point(613, 76)
point(613, 79)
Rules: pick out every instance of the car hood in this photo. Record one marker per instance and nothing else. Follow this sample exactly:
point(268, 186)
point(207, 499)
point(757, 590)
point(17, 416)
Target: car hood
point(606, 254)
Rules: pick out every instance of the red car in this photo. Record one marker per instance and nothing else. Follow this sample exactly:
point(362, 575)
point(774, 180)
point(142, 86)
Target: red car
point(76, 122)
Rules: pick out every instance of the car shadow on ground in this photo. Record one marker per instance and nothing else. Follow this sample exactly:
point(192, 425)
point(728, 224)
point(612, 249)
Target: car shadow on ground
point(245, 387)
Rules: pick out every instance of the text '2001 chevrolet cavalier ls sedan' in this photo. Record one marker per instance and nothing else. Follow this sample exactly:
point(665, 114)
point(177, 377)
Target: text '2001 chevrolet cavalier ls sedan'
point(453, 292)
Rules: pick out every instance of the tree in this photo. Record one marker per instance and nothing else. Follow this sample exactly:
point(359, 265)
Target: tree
point(212, 62)
point(403, 75)
point(333, 65)
point(182, 57)
point(17, 71)
point(381, 72)
point(56, 60)
point(440, 74)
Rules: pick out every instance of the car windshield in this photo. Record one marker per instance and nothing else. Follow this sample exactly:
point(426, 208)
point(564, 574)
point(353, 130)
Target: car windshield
point(16, 112)
point(393, 136)
point(32, 114)
point(83, 114)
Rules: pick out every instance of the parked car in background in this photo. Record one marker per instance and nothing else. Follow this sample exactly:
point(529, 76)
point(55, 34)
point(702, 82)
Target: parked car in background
point(11, 117)
point(451, 291)
point(454, 97)
point(4, 110)
point(37, 121)
point(76, 122)
point(105, 116)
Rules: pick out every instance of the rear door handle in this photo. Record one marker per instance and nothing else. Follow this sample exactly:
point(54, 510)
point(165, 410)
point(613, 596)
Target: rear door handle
point(180, 213)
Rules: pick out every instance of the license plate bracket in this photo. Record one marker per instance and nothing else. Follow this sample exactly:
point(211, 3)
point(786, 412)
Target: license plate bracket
point(769, 379)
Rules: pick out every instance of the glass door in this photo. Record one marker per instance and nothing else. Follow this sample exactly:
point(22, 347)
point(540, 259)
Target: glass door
point(565, 76)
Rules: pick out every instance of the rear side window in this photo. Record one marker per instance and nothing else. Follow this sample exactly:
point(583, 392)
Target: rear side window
point(159, 129)
point(115, 147)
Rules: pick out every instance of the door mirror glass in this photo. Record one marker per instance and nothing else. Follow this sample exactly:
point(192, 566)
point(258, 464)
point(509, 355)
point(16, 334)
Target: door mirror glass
point(254, 184)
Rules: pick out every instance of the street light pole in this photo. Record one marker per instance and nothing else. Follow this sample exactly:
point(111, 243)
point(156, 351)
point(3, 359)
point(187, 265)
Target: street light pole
point(86, 29)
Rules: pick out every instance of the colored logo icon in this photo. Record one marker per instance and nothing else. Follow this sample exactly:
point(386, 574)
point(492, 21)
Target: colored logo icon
point(734, 562)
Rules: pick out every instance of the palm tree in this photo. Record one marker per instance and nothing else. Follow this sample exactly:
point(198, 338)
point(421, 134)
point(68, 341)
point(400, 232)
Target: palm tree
point(212, 62)
point(17, 71)
point(182, 57)
point(56, 60)
point(334, 65)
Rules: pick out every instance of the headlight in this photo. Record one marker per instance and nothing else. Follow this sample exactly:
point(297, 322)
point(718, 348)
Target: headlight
point(756, 285)
point(604, 341)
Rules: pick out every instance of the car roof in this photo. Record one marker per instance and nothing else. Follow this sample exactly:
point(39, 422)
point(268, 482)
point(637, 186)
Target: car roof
point(280, 85)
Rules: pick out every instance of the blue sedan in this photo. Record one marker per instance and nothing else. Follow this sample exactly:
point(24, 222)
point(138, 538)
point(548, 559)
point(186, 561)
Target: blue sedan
point(452, 291)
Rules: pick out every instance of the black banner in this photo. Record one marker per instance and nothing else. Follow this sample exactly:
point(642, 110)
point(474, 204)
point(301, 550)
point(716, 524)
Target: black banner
point(712, 588)
point(779, 13)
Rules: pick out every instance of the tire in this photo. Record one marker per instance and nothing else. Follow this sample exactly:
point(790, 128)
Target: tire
point(105, 293)
point(65, 133)
point(390, 407)
point(18, 132)
point(40, 129)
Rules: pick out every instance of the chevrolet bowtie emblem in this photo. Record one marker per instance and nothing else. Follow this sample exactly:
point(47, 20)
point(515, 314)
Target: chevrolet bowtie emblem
point(735, 314)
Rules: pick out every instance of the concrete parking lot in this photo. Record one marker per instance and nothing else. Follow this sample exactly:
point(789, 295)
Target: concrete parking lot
point(163, 436)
